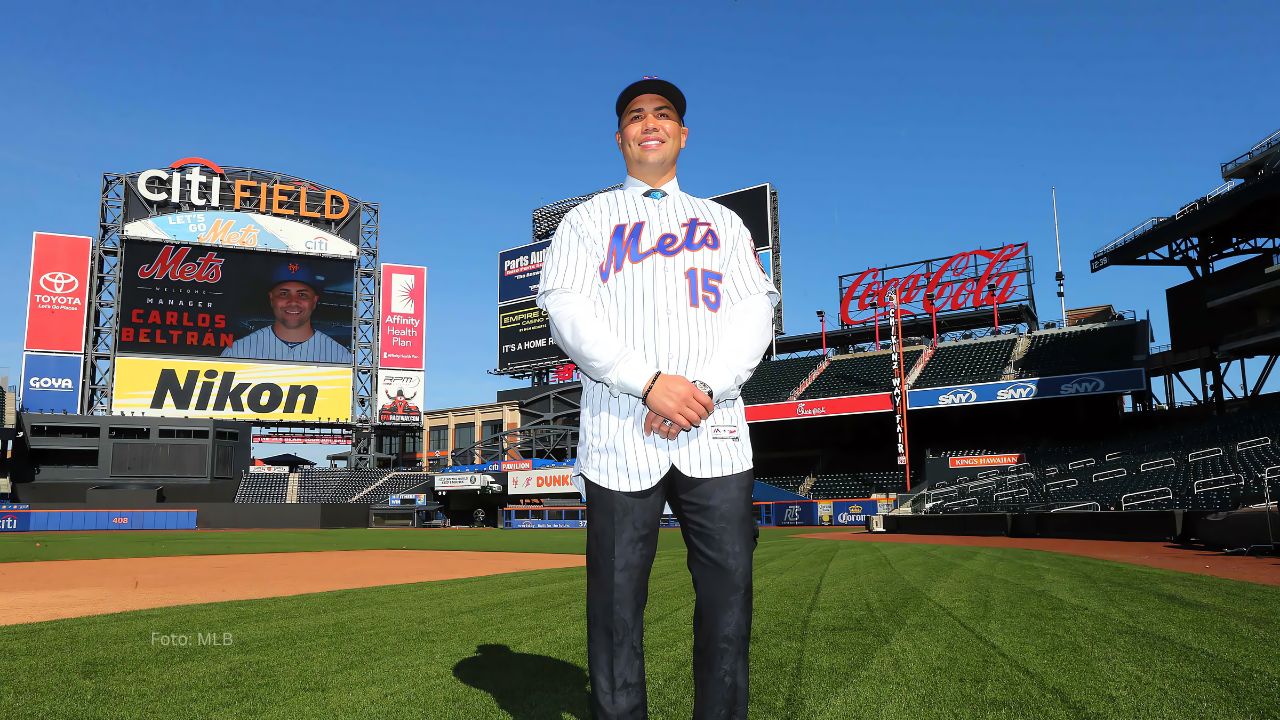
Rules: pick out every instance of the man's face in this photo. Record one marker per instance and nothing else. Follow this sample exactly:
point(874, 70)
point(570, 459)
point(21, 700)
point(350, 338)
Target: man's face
point(650, 134)
point(292, 303)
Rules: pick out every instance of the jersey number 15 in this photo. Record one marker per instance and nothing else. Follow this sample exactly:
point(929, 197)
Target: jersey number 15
point(706, 292)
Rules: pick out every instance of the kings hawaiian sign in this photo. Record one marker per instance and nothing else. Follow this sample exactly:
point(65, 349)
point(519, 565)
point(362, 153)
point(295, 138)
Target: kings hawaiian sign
point(962, 282)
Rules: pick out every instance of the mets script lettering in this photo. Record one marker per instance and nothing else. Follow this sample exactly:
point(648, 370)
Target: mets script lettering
point(171, 263)
point(625, 242)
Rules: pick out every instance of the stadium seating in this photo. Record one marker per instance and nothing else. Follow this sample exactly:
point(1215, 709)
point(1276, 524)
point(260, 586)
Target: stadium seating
point(858, 374)
point(967, 361)
point(1210, 464)
point(857, 485)
point(775, 380)
point(1086, 349)
point(790, 483)
point(262, 488)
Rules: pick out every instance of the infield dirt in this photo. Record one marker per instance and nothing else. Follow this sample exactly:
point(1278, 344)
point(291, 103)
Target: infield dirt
point(50, 590)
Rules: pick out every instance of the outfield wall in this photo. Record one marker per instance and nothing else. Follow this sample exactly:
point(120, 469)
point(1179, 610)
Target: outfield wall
point(222, 516)
point(1107, 525)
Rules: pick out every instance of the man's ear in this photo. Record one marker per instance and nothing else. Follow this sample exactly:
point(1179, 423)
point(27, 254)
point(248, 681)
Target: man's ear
point(684, 136)
point(617, 137)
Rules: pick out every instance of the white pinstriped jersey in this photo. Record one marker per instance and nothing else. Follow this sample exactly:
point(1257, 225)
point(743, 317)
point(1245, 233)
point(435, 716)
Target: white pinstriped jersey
point(662, 276)
point(262, 344)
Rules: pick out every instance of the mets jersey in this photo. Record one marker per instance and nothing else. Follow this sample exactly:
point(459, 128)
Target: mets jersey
point(635, 285)
point(262, 344)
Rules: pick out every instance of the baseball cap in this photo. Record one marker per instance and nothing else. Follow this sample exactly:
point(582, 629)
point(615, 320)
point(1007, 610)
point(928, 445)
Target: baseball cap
point(294, 271)
point(651, 86)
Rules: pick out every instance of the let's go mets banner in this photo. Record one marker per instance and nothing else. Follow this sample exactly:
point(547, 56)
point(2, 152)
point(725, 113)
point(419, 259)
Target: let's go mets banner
point(173, 387)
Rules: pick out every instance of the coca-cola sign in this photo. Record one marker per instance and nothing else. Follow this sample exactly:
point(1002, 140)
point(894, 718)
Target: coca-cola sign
point(962, 282)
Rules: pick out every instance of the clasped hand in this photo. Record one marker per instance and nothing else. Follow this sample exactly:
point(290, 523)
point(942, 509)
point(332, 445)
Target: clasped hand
point(675, 398)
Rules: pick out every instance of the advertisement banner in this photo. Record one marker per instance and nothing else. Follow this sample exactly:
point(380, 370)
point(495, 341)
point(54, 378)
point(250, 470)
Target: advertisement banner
point(51, 383)
point(302, 439)
point(825, 513)
point(58, 292)
point(461, 481)
point(400, 397)
point(192, 300)
point(855, 512)
point(1110, 381)
point(968, 461)
point(524, 337)
point(967, 281)
point(541, 482)
point(14, 521)
point(173, 387)
point(821, 407)
point(404, 317)
point(248, 231)
point(532, 524)
point(520, 271)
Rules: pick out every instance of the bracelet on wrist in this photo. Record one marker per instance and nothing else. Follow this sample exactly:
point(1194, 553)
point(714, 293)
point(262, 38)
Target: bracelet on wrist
point(644, 397)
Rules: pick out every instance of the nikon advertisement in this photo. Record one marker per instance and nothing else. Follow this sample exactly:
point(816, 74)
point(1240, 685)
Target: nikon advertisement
point(174, 387)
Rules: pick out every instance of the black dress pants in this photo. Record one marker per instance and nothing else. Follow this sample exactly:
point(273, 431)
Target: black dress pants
point(622, 537)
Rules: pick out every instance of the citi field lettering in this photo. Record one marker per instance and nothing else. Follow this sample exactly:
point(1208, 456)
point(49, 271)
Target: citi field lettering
point(193, 186)
point(624, 244)
point(219, 393)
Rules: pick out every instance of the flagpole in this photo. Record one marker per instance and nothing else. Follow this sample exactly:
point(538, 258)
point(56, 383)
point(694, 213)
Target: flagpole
point(1057, 242)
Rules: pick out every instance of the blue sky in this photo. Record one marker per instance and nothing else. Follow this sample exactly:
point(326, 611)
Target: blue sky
point(892, 132)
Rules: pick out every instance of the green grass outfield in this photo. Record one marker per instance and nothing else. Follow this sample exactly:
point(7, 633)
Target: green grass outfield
point(842, 630)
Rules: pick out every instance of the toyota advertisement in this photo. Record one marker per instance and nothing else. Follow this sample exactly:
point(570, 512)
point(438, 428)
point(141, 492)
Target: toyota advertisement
point(58, 294)
point(50, 383)
point(199, 301)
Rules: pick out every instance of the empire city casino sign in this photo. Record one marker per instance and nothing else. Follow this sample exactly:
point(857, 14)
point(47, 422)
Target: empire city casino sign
point(965, 281)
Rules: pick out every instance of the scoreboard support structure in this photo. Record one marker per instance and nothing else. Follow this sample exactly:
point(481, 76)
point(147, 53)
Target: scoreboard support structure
point(105, 294)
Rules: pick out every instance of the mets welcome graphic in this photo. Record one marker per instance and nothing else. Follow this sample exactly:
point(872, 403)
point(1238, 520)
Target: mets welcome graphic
point(194, 300)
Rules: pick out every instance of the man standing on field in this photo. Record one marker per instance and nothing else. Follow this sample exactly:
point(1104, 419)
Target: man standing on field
point(658, 297)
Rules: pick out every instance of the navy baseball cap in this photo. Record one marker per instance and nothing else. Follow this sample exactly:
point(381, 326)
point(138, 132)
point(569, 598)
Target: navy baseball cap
point(651, 86)
point(294, 271)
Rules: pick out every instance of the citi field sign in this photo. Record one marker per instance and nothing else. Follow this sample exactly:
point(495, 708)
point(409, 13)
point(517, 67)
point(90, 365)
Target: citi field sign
point(970, 280)
point(195, 200)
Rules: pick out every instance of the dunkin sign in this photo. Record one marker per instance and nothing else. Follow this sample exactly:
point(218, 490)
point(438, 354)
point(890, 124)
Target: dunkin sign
point(550, 481)
point(962, 282)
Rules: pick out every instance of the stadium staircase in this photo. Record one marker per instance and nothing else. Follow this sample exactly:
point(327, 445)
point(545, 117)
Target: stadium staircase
point(920, 364)
point(804, 384)
point(291, 491)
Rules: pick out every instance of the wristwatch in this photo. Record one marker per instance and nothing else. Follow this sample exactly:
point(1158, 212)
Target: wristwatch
point(704, 388)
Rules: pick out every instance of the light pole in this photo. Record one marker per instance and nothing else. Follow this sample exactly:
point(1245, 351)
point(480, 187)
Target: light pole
point(875, 314)
point(822, 318)
point(933, 314)
point(995, 306)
